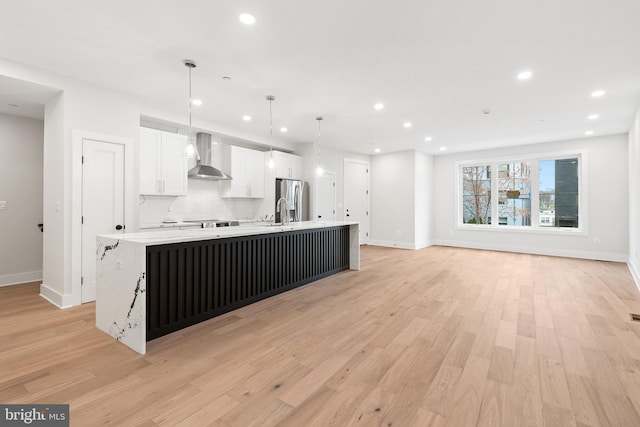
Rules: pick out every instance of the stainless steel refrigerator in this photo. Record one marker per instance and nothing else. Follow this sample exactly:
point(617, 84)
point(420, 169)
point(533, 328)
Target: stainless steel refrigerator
point(295, 192)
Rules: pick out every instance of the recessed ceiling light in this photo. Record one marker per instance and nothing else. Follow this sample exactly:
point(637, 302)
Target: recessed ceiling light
point(379, 106)
point(443, 148)
point(407, 124)
point(525, 75)
point(597, 93)
point(247, 19)
point(377, 150)
point(593, 116)
point(284, 130)
point(196, 101)
point(428, 139)
point(246, 118)
point(589, 133)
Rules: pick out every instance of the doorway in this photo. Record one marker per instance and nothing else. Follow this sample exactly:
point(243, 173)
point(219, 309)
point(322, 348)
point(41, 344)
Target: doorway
point(356, 195)
point(101, 202)
point(326, 197)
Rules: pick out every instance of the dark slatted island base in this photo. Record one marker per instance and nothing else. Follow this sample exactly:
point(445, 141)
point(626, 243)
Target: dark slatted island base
point(195, 281)
point(154, 283)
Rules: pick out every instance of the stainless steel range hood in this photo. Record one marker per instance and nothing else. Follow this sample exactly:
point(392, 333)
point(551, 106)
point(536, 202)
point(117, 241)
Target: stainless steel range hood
point(204, 169)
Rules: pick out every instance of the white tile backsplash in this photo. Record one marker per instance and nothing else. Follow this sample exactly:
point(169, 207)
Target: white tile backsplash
point(203, 201)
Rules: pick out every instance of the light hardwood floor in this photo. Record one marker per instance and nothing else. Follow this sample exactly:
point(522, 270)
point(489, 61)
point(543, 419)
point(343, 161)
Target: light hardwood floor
point(440, 336)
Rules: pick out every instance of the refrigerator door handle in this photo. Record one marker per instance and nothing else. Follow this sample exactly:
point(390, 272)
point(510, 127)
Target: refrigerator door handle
point(296, 198)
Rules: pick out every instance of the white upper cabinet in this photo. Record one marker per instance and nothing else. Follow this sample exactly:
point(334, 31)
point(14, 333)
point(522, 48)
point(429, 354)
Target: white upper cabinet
point(287, 165)
point(163, 166)
point(246, 166)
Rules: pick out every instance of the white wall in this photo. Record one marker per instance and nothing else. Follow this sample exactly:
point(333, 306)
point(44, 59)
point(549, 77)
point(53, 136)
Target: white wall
point(21, 153)
point(423, 199)
point(606, 180)
point(401, 199)
point(634, 199)
point(393, 202)
point(53, 268)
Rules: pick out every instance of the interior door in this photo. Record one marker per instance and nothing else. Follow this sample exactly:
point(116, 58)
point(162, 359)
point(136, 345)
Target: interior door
point(356, 195)
point(102, 203)
point(326, 197)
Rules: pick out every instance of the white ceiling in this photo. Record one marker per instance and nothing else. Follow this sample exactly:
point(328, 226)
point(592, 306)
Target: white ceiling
point(436, 63)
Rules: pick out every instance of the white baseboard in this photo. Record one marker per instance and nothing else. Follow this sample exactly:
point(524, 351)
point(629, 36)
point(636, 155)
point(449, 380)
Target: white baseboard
point(425, 244)
point(54, 297)
point(601, 256)
point(634, 273)
point(399, 245)
point(18, 278)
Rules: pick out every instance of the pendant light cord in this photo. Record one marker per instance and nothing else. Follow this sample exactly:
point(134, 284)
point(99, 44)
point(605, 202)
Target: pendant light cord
point(191, 64)
point(319, 119)
point(190, 104)
point(190, 107)
point(271, 126)
point(271, 164)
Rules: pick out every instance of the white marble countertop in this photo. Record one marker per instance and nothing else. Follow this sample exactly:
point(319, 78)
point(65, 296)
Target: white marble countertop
point(169, 225)
point(196, 224)
point(189, 235)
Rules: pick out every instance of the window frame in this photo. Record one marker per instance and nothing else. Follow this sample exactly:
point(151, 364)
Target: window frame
point(535, 226)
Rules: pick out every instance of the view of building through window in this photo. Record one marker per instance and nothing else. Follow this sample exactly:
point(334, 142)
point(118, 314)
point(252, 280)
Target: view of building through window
point(557, 193)
point(514, 185)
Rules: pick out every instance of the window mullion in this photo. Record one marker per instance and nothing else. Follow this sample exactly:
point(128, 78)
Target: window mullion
point(494, 195)
point(535, 193)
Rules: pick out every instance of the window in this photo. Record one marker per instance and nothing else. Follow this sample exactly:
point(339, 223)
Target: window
point(559, 201)
point(514, 185)
point(476, 194)
point(534, 193)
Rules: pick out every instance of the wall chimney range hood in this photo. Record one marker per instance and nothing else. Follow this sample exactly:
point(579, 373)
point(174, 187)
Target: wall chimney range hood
point(203, 168)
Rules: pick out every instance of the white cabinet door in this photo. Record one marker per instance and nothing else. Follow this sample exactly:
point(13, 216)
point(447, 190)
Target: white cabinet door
point(287, 165)
point(150, 143)
point(233, 160)
point(247, 169)
point(282, 165)
point(174, 165)
point(255, 173)
point(163, 166)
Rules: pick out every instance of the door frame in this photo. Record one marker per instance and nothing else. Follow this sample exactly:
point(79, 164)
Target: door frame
point(316, 198)
point(77, 138)
point(365, 240)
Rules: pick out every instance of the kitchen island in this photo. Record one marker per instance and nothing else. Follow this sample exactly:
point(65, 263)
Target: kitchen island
point(150, 284)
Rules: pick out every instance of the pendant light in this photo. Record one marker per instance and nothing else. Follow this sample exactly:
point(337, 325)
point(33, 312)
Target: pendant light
point(190, 148)
point(319, 170)
point(272, 163)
